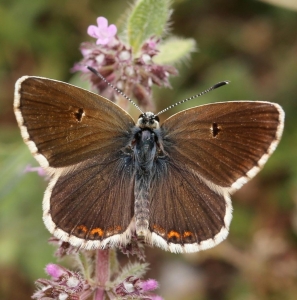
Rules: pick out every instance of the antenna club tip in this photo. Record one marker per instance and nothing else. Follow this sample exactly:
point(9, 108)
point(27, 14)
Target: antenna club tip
point(91, 68)
point(219, 84)
point(96, 73)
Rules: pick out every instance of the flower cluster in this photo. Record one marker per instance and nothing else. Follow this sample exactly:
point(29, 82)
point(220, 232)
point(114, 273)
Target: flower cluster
point(126, 283)
point(68, 285)
point(133, 74)
point(136, 288)
point(63, 285)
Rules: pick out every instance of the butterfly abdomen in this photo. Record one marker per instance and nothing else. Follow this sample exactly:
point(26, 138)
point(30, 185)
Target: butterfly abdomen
point(144, 155)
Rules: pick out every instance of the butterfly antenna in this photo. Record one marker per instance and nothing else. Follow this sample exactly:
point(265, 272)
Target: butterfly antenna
point(217, 85)
point(115, 88)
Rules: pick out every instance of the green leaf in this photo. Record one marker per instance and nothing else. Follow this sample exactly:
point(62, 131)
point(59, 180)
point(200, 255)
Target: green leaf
point(174, 49)
point(136, 269)
point(148, 18)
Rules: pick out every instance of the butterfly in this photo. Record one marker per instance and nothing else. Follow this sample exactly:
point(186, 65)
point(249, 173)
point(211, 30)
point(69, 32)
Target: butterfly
point(111, 177)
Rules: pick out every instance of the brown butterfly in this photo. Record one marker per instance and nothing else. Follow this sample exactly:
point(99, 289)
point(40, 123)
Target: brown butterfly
point(111, 177)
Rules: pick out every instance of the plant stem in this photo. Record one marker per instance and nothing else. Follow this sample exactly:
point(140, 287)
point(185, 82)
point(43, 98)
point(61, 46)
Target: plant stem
point(102, 273)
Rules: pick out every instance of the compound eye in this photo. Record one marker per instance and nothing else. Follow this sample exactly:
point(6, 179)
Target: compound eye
point(157, 118)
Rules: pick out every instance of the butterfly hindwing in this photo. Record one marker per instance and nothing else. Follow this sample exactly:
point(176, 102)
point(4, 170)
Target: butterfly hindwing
point(92, 205)
point(186, 215)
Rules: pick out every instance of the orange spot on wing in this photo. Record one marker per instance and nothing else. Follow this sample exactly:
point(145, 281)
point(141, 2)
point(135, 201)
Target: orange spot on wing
point(82, 228)
point(187, 233)
point(159, 229)
point(98, 231)
point(172, 234)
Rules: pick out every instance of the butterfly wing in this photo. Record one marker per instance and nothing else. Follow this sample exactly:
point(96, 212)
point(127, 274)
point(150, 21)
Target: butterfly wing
point(210, 151)
point(81, 139)
point(225, 143)
point(64, 125)
point(92, 205)
point(186, 215)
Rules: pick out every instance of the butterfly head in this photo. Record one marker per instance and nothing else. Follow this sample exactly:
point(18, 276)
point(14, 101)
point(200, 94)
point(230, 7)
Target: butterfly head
point(148, 120)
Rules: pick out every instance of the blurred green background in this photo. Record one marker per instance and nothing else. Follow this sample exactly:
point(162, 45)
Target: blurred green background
point(251, 43)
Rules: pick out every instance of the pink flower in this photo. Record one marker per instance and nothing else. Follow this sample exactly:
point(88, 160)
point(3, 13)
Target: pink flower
point(55, 271)
point(148, 285)
point(134, 74)
point(103, 33)
point(138, 288)
point(64, 284)
point(40, 171)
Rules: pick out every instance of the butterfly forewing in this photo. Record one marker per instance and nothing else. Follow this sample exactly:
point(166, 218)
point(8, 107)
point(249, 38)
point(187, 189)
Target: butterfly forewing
point(64, 125)
point(225, 143)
